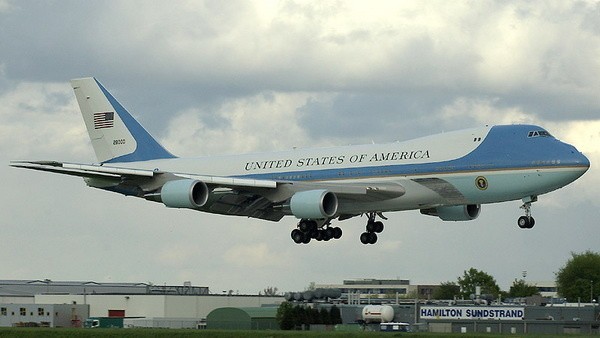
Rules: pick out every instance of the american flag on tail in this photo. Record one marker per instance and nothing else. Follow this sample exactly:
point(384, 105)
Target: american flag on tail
point(104, 120)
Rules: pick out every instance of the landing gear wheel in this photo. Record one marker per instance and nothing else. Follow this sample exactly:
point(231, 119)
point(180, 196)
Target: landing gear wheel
point(307, 225)
point(522, 222)
point(319, 236)
point(526, 222)
point(531, 222)
point(305, 239)
point(370, 226)
point(329, 233)
point(365, 238)
point(320, 230)
point(372, 238)
point(337, 233)
point(297, 236)
point(373, 228)
point(368, 238)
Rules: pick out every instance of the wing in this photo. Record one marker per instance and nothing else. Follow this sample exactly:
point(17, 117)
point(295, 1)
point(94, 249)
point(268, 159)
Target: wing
point(264, 199)
point(101, 171)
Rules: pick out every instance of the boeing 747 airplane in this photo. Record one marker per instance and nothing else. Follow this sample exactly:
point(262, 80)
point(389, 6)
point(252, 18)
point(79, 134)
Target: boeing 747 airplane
point(448, 175)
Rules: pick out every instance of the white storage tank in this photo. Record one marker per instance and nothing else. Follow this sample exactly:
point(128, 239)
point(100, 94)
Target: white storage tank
point(378, 313)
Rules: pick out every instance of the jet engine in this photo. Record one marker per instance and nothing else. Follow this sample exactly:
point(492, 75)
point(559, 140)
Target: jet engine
point(314, 204)
point(184, 194)
point(455, 213)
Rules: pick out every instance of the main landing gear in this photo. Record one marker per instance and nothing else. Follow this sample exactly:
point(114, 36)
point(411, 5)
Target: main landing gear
point(319, 230)
point(373, 228)
point(527, 221)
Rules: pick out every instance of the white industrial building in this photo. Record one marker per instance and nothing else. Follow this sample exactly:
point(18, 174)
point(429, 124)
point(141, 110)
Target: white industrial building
point(161, 306)
point(114, 300)
point(47, 315)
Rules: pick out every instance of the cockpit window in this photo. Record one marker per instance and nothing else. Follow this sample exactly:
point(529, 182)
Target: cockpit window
point(539, 133)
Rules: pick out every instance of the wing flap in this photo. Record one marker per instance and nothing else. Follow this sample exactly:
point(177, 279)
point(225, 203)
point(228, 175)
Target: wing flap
point(244, 204)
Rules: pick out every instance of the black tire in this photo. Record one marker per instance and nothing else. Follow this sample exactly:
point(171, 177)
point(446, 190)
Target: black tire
point(531, 223)
point(305, 239)
point(297, 236)
point(313, 233)
point(304, 225)
point(523, 222)
point(372, 238)
point(370, 226)
point(320, 235)
point(364, 238)
point(337, 233)
point(330, 233)
point(378, 227)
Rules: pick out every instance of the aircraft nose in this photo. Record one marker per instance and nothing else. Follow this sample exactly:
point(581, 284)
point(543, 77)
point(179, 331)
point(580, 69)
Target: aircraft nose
point(578, 159)
point(585, 162)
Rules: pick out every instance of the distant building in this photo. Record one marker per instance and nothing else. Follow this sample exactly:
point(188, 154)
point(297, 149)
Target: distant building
point(124, 299)
point(44, 315)
point(232, 318)
point(546, 288)
point(381, 288)
point(47, 286)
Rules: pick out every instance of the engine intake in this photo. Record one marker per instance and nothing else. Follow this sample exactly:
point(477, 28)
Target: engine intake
point(184, 194)
point(314, 204)
point(455, 213)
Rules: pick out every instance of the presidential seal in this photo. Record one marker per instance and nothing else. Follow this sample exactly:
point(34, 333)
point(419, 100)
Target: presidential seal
point(481, 183)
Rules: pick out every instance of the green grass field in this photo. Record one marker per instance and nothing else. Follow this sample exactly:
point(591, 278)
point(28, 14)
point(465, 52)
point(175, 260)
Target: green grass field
point(59, 332)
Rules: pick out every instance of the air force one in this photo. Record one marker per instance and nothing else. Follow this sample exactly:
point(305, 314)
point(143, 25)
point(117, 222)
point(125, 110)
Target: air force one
point(448, 175)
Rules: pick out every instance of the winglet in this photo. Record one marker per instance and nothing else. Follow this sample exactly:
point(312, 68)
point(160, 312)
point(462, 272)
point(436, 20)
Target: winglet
point(116, 136)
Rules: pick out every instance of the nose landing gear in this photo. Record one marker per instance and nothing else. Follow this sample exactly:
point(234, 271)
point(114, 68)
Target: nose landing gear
point(527, 221)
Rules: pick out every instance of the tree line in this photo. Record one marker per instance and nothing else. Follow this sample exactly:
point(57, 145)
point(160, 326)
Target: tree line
point(577, 280)
point(297, 317)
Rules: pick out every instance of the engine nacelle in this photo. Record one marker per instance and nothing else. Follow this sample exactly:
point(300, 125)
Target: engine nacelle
point(455, 213)
point(314, 204)
point(184, 194)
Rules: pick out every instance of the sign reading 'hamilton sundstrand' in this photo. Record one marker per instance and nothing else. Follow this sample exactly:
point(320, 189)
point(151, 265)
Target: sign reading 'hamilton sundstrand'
point(472, 312)
point(338, 160)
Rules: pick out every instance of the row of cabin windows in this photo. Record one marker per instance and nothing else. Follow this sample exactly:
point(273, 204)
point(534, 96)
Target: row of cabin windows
point(23, 312)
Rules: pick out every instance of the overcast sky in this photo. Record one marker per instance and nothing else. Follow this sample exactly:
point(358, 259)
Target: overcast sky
point(239, 76)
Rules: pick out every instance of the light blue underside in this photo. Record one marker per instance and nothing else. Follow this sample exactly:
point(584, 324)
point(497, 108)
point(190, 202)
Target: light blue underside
point(510, 185)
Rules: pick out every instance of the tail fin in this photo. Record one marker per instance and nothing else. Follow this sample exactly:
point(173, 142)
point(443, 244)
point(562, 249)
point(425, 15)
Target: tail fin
point(116, 136)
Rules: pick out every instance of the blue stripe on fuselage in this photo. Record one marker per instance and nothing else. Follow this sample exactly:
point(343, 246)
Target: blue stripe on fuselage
point(504, 148)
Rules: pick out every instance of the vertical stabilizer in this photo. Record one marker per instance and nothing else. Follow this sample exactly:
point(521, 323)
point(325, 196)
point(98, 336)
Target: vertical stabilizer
point(116, 136)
